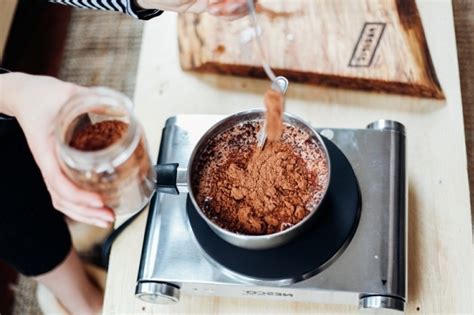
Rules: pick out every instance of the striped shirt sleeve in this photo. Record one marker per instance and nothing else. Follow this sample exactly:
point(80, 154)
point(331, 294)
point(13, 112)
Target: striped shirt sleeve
point(125, 6)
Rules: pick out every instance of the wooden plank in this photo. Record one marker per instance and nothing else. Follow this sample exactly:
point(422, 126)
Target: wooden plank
point(440, 242)
point(464, 23)
point(374, 45)
point(7, 12)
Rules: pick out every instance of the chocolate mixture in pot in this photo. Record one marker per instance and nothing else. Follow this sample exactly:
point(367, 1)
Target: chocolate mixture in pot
point(256, 192)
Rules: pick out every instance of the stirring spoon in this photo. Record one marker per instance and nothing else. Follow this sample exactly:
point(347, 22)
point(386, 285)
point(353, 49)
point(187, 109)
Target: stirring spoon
point(279, 83)
point(263, 57)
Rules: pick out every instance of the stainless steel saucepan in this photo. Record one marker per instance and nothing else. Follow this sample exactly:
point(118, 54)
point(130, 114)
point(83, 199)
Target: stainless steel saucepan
point(178, 179)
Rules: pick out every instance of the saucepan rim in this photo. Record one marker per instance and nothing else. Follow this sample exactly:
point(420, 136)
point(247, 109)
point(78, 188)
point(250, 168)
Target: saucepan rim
point(204, 140)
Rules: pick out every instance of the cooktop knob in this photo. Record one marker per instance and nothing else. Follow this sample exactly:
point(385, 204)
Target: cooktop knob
point(157, 292)
point(374, 303)
point(384, 124)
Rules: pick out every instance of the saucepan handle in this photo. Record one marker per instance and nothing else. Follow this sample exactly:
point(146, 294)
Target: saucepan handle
point(171, 179)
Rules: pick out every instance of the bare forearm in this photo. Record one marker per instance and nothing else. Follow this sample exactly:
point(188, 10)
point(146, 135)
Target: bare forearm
point(17, 93)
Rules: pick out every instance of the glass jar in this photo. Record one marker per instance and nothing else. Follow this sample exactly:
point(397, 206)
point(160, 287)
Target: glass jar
point(121, 171)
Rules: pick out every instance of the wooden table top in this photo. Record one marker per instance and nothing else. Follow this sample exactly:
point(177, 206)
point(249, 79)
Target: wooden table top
point(440, 242)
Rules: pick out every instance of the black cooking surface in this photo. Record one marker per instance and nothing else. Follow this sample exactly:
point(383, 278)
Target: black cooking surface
point(306, 255)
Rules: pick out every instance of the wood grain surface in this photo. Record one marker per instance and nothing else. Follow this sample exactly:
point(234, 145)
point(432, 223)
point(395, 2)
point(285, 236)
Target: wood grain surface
point(440, 241)
point(374, 45)
point(464, 22)
point(106, 58)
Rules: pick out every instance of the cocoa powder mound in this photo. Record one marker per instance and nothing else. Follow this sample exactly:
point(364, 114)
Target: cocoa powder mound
point(94, 137)
point(256, 192)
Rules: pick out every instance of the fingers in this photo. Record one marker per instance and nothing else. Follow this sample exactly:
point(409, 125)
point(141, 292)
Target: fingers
point(228, 9)
point(59, 184)
point(80, 205)
point(73, 194)
point(76, 217)
point(101, 217)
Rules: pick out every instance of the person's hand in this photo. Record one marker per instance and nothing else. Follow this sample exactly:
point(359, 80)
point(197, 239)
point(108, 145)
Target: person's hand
point(230, 9)
point(35, 102)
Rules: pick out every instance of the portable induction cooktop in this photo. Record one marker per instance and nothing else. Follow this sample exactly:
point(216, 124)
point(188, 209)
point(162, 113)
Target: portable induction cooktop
point(354, 253)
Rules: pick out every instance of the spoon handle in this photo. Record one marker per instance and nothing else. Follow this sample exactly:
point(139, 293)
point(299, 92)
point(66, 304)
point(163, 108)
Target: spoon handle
point(263, 56)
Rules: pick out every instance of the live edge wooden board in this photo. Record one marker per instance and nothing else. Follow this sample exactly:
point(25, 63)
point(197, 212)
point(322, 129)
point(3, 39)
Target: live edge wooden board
point(360, 44)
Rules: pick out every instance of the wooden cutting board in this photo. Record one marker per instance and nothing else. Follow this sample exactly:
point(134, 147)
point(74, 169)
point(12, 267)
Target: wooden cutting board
point(374, 45)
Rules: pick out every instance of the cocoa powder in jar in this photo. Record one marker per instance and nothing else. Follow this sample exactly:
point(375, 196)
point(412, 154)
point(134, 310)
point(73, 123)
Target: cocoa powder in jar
point(127, 186)
point(98, 136)
point(256, 192)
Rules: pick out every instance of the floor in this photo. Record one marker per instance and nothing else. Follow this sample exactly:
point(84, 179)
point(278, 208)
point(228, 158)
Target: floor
point(109, 57)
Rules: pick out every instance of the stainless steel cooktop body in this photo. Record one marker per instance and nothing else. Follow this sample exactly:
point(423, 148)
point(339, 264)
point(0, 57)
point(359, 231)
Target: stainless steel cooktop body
point(370, 271)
